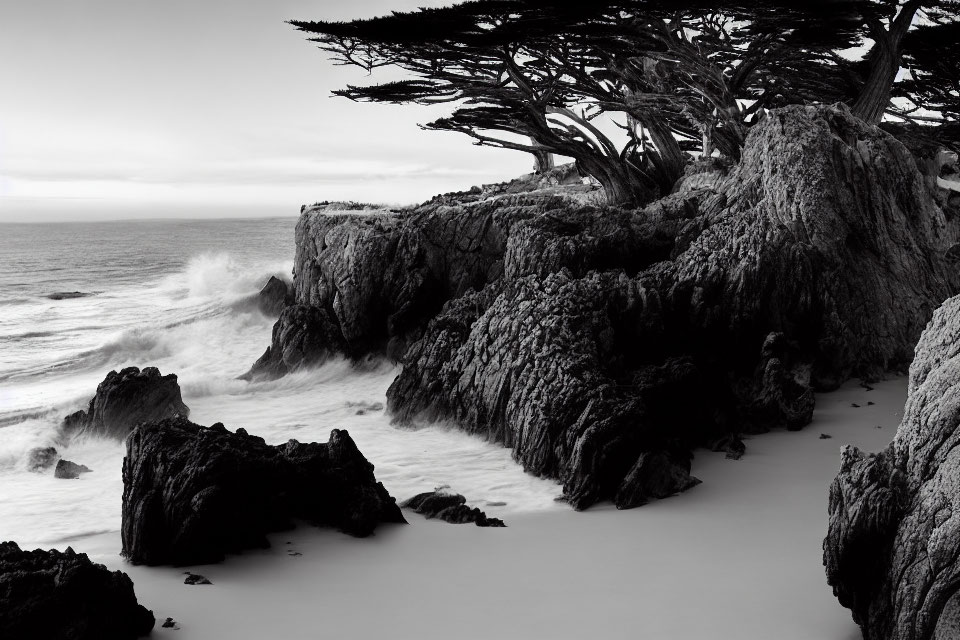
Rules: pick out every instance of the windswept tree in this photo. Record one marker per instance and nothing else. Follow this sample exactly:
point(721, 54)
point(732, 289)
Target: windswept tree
point(481, 56)
point(891, 26)
point(688, 75)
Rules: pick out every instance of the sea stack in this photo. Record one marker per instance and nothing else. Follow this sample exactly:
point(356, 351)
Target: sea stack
point(126, 398)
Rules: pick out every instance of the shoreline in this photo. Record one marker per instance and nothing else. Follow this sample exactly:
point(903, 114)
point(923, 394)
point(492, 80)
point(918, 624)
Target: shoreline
point(736, 557)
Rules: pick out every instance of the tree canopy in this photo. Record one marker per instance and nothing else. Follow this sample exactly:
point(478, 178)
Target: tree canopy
point(687, 76)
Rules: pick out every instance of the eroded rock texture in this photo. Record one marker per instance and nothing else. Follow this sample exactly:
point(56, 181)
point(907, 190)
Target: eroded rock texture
point(600, 343)
point(192, 494)
point(64, 596)
point(892, 551)
point(125, 399)
point(274, 296)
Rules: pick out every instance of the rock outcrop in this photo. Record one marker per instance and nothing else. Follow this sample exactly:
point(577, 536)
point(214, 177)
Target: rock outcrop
point(892, 551)
point(274, 296)
point(54, 595)
point(449, 507)
point(192, 494)
point(600, 343)
point(126, 398)
point(69, 470)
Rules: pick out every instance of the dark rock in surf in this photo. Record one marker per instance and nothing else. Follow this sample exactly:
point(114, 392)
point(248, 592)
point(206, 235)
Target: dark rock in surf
point(125, 399)
point(893, 542)
point(68, 295)
point(274, 296)
point(49, 594)
point(196, 578)
point(192, 494)
point(449, 507)
point(585, 338)
point(41, 458)
point(303, 336)
point(69, 470)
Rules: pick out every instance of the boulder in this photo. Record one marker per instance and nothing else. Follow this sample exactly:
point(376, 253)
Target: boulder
point(41, 458)
point(449, 507)
point(125, 399)
point(192, 494)
point(54, 595)
point(892, 551)
point(69, 470)
point(274, 296)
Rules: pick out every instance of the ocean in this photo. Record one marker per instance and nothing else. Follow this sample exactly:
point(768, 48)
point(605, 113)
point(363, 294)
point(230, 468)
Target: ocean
point(80, 299)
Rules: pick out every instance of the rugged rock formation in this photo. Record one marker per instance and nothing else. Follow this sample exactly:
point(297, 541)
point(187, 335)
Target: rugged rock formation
point(53, 595)
point(69, 470)
point(125, 399)
point(192, 494)
point(274, 296)
point(449, 507)
point(41, 458)
point(892, 551)
point(599, 343)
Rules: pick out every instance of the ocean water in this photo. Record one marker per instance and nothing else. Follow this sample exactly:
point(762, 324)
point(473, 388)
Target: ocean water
point(180, 296)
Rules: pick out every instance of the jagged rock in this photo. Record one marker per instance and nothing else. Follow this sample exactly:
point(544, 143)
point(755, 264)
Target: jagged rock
point(449, 507)
point(731, 444)
point(191, 494)
point(892, 551)
point(69, 470)
point(41, 458)
point(303, 336)
point(196, 578)
point(274, 296)
point(51, 595)
point(170, 623)
point(656, 474)
point(126, 398)
point(585, 338)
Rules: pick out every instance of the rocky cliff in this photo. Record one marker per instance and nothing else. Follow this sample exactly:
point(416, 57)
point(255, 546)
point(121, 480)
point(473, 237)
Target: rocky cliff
point(892, 552)
point(602, 344)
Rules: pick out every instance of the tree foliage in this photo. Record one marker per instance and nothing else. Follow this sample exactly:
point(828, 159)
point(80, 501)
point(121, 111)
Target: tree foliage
point(684, 75)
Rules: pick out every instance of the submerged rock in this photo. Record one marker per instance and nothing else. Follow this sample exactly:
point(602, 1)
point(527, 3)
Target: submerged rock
point(69, 470)
point(449, 507)
point(594, 341)
point(274, 296)
point(49, 594)
point(125, 399)
point(67, 295)
point(41, 458)
point(892, 551)
point(192, 494)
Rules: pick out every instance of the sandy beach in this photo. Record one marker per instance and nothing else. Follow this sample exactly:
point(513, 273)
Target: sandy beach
point(736, 557)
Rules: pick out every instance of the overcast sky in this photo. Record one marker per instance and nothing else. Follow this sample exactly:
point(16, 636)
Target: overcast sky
point(190, 108)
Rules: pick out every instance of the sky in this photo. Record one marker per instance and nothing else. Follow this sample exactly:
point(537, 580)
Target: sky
point(212, 108)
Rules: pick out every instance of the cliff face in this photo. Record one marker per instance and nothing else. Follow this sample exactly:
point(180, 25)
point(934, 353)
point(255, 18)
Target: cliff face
point(601, 344)
point(892, 551)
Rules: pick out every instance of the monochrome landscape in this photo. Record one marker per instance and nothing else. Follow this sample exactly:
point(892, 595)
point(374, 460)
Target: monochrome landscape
point(693, 376)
